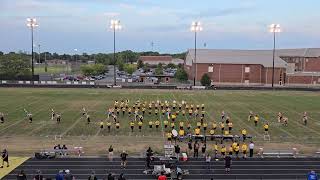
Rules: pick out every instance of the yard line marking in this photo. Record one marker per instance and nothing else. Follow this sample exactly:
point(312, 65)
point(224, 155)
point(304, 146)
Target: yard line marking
point(72, 126)
point(17, 109)
point(305, 127)
point(17, 122)
point(281, 129)
point(260, 134)
point(46, 122)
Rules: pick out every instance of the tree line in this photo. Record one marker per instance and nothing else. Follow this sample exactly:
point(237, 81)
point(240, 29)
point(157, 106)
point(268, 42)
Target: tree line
point(17, 65)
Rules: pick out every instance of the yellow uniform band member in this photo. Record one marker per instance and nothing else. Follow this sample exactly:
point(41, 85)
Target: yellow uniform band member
point(140, 125)
point(172, 125)
point(181, 124)
point(165, 122)
point(117, 125)
point(132, 126)
point(198, 124)
point(157, 123)
point(109, 126)
point(197, 131)
point(181, 132)
point(169, 136)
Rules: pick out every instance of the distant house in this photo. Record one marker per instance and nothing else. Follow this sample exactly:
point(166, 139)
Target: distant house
point(154, 60)
point(56, 61)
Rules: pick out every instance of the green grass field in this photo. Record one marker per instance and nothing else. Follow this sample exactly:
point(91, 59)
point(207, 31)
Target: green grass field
point(52, 69)
point(236, 104)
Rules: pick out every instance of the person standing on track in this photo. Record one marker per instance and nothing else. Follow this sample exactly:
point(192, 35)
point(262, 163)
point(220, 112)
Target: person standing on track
point(251, 147)
point(123, 157)
point(5, 158)
point(227, 163)
point(110, 153)
point(196, 149)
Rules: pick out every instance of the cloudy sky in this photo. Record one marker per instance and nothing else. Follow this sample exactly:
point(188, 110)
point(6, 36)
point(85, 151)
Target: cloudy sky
point(83, 24)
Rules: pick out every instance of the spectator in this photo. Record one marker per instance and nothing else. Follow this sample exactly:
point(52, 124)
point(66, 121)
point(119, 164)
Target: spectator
point(92, 176)
point(190, 145)
point(57, 147)
point(123, 156)
point(121, 177)
point(162, 176)
point(149, 152)
point(148, 160)
point(110, 177)
point(312, 175)
point(208, 160)
point(68, 175)
point(59, 176)
point(203, 149)
point(227, 163)
point(251, 147)
point(64, 150)
point(196, 149)
point(110, 155)
point(177, 151)
point(21, 175)
point(5, 158)
point(38, 176)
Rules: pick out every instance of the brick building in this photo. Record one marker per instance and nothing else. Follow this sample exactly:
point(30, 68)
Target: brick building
point(292, 66)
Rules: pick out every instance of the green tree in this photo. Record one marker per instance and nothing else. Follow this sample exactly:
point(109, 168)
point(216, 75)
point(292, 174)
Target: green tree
point(14, 66)
point(205, 80)
point(171, 65)
point(120, 65)
point(129, 56)
point(93, 69)
point(159, 70)
point(181, 75)
point(140, 64)
point(1, 53)
point(130, 68)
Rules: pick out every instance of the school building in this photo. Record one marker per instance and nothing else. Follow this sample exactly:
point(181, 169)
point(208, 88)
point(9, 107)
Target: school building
point(254, 67)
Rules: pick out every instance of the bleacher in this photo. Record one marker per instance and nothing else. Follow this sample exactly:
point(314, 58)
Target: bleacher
point(257, 168)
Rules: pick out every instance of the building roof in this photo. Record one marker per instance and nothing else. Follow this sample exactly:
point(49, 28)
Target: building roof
point(302, 52)
point(261, 57)
point(156, 58)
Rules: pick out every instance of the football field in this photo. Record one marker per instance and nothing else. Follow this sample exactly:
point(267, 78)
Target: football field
point(73, 127)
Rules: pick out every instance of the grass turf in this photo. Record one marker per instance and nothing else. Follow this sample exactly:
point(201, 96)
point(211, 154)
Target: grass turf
point(52, 69)
point(236, 104)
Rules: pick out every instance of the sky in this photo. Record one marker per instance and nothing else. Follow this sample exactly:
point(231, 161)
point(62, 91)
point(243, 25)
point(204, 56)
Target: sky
point(65, 25)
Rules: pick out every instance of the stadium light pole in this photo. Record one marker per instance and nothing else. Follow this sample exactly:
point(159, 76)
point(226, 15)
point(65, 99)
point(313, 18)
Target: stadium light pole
point(114, 25)
point(274, 28)
point(75, 56)
point(32, 23)
point(39, 53)
point(195, 27)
